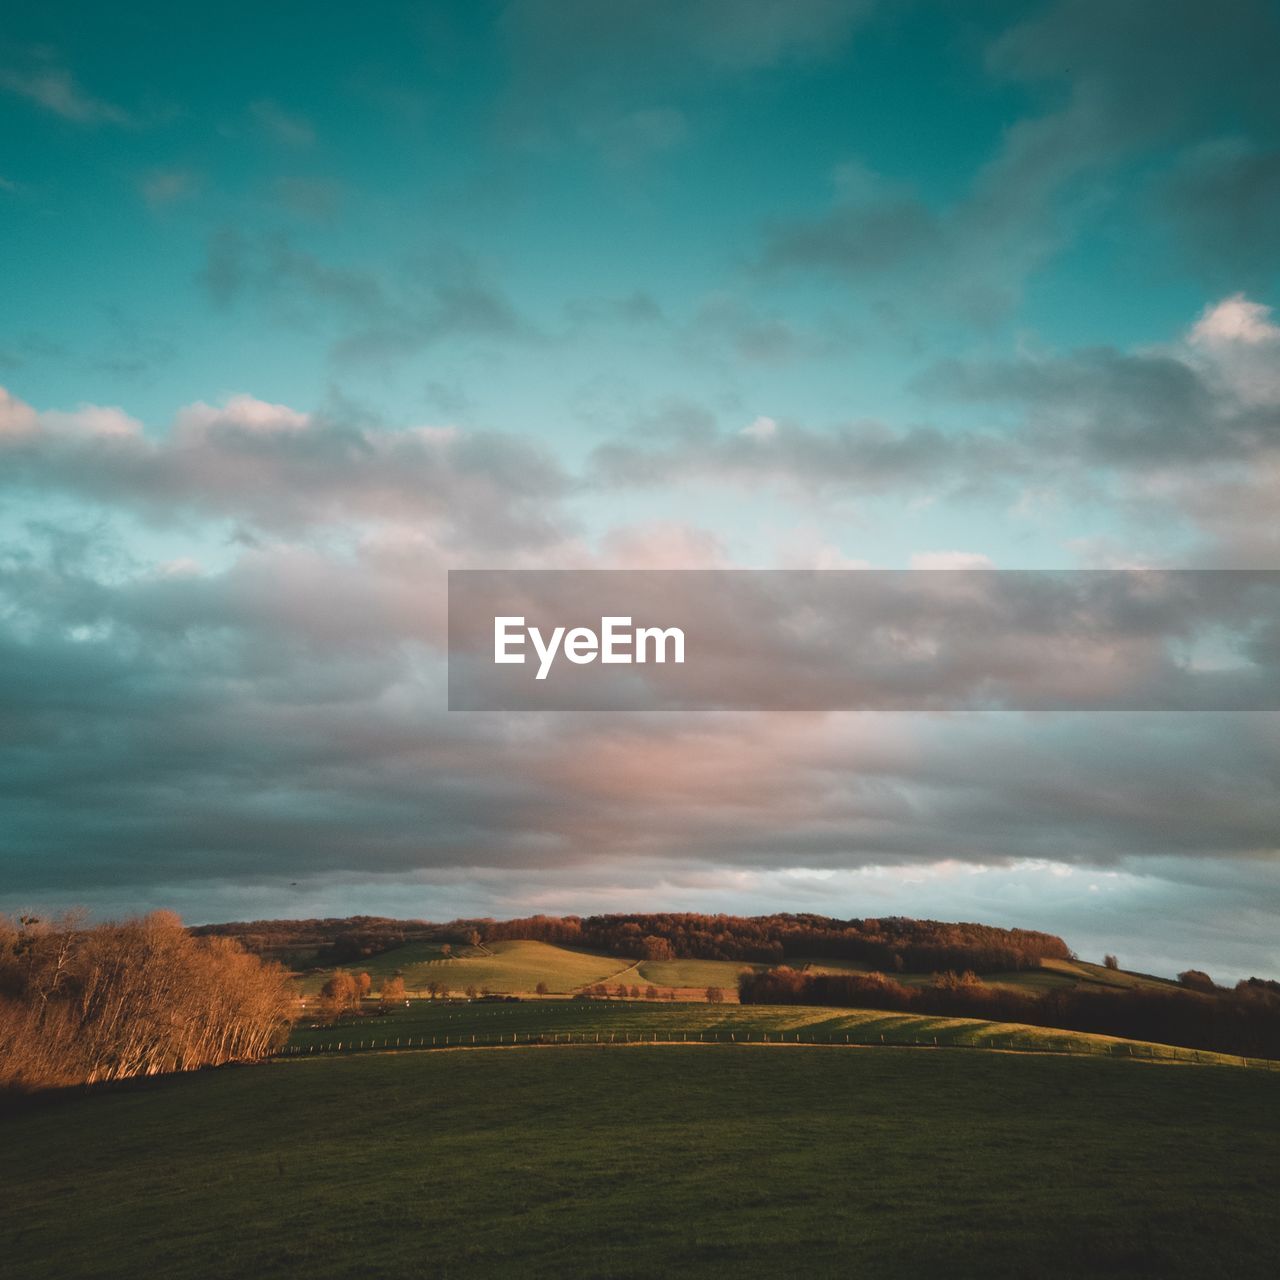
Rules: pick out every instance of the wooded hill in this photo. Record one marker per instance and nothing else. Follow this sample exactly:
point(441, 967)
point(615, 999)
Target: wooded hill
point(893, 944)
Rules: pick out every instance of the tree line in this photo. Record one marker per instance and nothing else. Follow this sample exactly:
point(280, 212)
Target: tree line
point(894, 944)
point(81, 1004)
point(1242, 1020)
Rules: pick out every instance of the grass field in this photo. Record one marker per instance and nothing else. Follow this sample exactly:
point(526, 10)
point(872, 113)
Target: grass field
point(1082, 971)
point(642, 1162)
point(502, 967)
point(516, 967)
point(426, 1023)
point(692, 975)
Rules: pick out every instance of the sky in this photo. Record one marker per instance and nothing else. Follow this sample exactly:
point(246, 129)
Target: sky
point(304, 305)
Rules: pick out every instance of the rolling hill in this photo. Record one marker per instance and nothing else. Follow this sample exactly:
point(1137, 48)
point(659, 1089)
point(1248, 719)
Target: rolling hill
point(515, 967)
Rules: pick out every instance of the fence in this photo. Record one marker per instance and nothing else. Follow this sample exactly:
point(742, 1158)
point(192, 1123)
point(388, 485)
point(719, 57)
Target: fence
point(1009, 1044)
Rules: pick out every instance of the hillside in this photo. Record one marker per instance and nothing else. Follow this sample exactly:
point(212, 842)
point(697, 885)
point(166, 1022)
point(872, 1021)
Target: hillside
point(724, 1162)
point(435, 1023)
point(517, 966)
point(892, 943)
point(502, 967)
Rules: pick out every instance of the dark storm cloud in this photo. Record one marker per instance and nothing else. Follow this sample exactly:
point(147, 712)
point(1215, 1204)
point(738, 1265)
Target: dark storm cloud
point(208, 732)
point(281, 719)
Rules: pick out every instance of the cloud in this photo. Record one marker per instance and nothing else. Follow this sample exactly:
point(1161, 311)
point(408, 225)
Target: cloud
point(951, 560)
point(1110, 82)
point(682, 445)
point(1186, 436)
point(372, 316)
point(162, 187)
point(279, 469)
point(1222, 198)
point(55, 90)
point(625, 79)
point(281, 126)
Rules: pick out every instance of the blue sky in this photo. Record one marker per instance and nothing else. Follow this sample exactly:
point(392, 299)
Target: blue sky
point(303, 307)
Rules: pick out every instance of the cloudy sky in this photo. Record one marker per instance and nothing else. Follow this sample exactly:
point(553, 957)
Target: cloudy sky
point(304, 305)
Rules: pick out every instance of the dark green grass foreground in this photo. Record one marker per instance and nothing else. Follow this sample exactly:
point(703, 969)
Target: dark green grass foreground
point(652, 1161)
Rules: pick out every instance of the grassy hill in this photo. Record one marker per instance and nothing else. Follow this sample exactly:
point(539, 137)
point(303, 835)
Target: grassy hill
point(516, 967)
point(695, 975)
point(500, 967)
point(628, 1162)
point(613, 1021)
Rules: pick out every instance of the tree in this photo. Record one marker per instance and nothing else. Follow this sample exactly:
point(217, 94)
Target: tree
point(472, 992)
point(620, 991)
point(715, 995)
point(1197, 980)
point(1110, 962)
point(340, 992)
point(392, 991)
point(84, 1004)
point(635, 992)
point(364, 984)
point(540, 989)
point(656, 948)
point(651, 992)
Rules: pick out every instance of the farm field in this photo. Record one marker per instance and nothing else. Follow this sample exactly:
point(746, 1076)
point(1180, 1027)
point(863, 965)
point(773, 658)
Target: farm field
point(516, 967)
point(483, 1023)
point(627, 1162)
point(501, 967)
point(1083, 971)
point(694, 974)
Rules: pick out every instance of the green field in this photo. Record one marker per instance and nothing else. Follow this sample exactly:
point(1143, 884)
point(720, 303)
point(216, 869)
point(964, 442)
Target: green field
point(516, 967)
point(501, 967)
point(1082, 971)
point(435, 1024)
point(642, 1162)
point(693, 974)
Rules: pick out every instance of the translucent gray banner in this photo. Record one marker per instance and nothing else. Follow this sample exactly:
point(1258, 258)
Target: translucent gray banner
point(885, 640)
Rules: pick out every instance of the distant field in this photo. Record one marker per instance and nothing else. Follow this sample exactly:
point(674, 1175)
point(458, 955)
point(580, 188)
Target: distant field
point(1082, 971)
point(693, 974)
point(617, 1020)
point(501, 967)
point(517, 967)
point(735, 1162)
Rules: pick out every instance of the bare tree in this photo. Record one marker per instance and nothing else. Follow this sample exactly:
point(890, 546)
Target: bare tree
point(135, 998)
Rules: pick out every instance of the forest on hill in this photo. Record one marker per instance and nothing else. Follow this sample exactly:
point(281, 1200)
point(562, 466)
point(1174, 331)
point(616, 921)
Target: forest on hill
point(894, 944)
